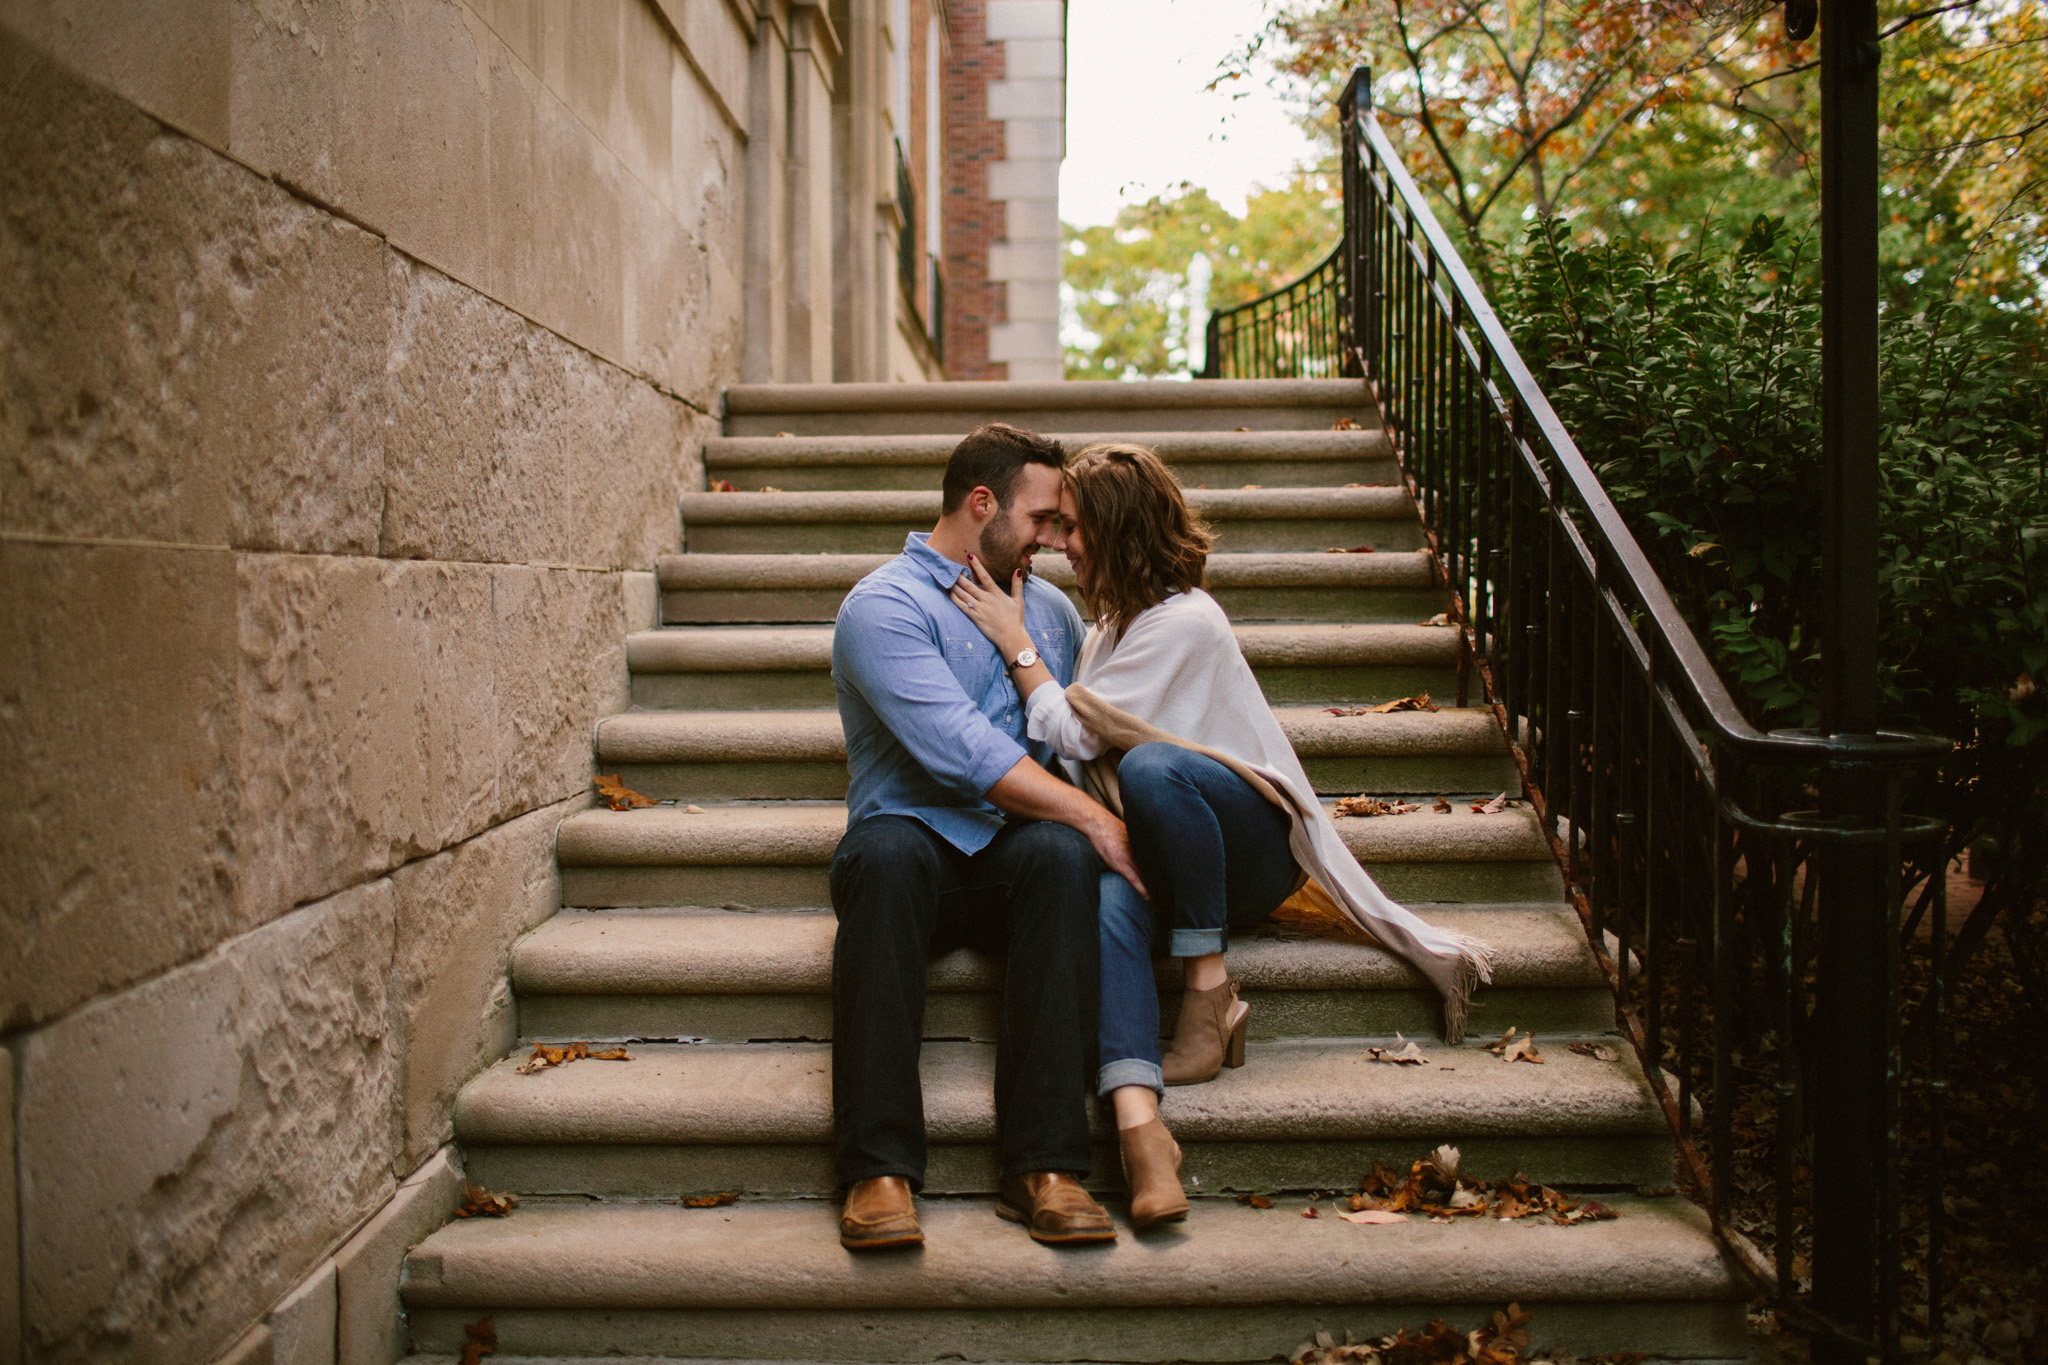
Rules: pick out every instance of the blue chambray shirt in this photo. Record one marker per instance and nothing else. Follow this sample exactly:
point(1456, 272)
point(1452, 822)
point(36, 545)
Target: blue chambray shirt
point(932, 720)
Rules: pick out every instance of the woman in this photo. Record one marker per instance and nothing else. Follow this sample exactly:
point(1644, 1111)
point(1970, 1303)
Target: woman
point(1167, 726)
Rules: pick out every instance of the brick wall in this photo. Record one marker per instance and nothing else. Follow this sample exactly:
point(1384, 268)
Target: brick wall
point(973, 222)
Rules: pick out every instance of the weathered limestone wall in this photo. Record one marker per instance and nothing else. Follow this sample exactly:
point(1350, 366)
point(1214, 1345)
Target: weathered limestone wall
point(352, 359)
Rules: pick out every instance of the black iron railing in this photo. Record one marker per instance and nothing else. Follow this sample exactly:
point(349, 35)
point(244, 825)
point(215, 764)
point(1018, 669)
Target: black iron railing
point(1747, 995)
point(1299, 331)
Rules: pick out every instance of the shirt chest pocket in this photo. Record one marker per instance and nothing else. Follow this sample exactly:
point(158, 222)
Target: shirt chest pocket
point(972, 658)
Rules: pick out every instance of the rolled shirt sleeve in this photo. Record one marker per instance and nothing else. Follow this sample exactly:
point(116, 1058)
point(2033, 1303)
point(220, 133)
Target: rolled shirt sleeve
point(1052, 721)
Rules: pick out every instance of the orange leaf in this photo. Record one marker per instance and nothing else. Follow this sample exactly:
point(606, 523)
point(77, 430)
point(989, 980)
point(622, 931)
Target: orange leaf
point(480, 1339)
point(618, 795)
point(478, 1202)
point(710, 1201)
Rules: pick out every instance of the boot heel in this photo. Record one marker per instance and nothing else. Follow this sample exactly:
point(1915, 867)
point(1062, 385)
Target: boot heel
point(1233, 1052)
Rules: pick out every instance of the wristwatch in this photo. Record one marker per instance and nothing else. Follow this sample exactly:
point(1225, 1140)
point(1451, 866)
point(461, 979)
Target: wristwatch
point(1025, 659)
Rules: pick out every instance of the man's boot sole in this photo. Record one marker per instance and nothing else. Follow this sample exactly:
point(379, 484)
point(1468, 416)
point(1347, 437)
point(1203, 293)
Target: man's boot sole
point(1011, 1213)
point(883, 1242)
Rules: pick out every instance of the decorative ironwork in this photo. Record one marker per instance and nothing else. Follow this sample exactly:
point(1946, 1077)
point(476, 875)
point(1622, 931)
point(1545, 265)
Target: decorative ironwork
point(1299, 331)
point(1672, 817)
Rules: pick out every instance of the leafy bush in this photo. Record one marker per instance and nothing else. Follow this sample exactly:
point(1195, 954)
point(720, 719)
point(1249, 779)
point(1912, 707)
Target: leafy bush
point(1692, 384)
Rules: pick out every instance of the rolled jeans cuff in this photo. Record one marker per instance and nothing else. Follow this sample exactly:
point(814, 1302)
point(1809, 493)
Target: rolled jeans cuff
point(1130, 1071)
point(1195, 942)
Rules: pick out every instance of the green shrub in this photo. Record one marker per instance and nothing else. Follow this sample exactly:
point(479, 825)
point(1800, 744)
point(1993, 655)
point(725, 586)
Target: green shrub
point(1692, 384)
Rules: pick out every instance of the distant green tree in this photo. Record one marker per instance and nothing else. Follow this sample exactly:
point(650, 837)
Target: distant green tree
point(1137, 291)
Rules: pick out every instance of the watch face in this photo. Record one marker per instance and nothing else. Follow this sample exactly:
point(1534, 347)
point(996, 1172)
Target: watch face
point(1027, 658)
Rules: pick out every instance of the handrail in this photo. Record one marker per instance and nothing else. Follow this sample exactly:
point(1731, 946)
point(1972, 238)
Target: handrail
point(1705, 683)
point(1665, 806)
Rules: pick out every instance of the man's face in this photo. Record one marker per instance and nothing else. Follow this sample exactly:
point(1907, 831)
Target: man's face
point(1016, 533)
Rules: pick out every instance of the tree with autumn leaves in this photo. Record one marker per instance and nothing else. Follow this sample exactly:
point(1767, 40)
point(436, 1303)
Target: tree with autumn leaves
point(1649, 119)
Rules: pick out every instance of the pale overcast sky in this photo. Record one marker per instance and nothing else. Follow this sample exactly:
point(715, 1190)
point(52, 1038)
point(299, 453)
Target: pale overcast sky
point(1139, 121)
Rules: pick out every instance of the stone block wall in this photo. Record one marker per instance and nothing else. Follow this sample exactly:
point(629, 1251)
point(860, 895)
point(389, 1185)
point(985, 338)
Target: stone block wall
point(352, 360)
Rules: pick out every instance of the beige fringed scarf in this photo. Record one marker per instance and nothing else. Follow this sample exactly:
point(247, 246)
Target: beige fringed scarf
point(1454, 963)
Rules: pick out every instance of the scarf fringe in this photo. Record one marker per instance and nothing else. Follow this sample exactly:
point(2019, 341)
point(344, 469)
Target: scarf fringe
point(1475, 965)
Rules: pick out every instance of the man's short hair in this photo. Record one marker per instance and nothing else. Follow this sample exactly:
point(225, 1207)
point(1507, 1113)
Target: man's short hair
point(992, 456)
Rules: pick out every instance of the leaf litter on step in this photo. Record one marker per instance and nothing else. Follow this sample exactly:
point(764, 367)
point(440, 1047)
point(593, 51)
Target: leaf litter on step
point(478, 1202)
point(546, 1055)
point(1500, 1341)
point(1419, 702)
point(618, 795)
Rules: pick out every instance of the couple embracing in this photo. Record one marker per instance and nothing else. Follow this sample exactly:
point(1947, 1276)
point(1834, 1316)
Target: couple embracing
point(1073, 803)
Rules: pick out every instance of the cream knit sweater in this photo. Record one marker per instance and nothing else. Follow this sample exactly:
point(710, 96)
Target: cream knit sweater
point(1176, 675)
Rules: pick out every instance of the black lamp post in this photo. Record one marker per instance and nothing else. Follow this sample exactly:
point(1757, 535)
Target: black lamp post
point(1850, 1020)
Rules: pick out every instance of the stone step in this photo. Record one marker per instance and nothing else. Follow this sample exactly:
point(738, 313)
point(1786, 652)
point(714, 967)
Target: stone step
point(1215, 459)
point(1232, 1283)
point(775, 855)
point(703, 756)
point(756, 1118)
point(750, 668)
point(1392, 588)
point(954, 409)
point(735, 977)
point(1243, 519)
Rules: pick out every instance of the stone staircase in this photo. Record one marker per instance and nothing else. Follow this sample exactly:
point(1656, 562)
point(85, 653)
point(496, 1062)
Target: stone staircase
point(705, 939)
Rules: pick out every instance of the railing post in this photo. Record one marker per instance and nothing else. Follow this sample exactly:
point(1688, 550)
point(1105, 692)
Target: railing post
point(1851, 1005)
point(1356, 275)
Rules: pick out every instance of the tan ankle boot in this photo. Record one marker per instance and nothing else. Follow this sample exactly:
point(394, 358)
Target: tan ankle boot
point(1152, 1172)
point(1204, 1040)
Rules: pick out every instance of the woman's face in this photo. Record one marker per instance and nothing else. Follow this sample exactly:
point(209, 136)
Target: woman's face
point(1070, 541)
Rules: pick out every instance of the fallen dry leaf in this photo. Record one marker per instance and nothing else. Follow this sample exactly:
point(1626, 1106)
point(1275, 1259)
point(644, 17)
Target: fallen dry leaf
point(1442, 618)
point(1372, 805)
point(724, 486)
point(1373, 1216)
point(1354, 550)
point(1493, 807)
point(1257, 1201)
point(1410, 1055)
point(1443, 806)
point(1345, 424)
point(618, 795)
point(710, 1201)
point(1248, 487)
point(1419, 702)
point(1310, 1212)
point(1513, 1049)
point(784, 434)
point(693, 810)
point(479, 1339)
point(478, 1202)
point(545, 1056)
point(1599, 1052)
point(770, 488)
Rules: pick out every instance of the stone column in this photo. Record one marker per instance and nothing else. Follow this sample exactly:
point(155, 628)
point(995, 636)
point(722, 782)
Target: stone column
point(857, 92)
point(813, 52)
point(765, 358)
point(1030, 101)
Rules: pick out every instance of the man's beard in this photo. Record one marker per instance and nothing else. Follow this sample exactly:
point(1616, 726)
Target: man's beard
point(999, 555)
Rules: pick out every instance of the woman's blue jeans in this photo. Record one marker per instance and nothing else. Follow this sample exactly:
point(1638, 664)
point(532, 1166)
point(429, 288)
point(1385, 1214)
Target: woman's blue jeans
point(1213, 854)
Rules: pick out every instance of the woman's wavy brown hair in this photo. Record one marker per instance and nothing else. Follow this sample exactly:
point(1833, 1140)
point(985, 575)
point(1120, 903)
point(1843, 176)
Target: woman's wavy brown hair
point(1142, 543)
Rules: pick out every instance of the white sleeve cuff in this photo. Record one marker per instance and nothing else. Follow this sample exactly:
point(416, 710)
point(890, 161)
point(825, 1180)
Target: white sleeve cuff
point(1049, 719)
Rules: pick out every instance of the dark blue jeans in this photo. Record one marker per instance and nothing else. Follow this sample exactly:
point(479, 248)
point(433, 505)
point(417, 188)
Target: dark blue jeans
point(1213, 853)
point(903, 893)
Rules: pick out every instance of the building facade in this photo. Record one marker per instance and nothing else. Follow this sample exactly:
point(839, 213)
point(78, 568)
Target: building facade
point(353, 357)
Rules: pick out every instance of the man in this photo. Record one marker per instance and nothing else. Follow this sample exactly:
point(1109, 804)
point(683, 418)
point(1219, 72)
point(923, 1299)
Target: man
point(957, 834)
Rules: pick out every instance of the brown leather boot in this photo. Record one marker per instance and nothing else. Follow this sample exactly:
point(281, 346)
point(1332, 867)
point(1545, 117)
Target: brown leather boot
point(1204, 1039)
point(1152, 1171)
point(879, 1213)
point(1054, 1207)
